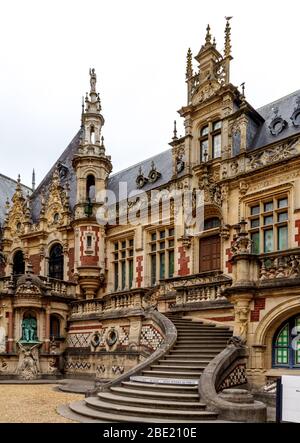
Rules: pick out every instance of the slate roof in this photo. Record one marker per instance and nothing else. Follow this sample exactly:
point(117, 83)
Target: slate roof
point(66, 160)
point(163, 164)
point(286, 106)
point(162, 161)
point(7, 190)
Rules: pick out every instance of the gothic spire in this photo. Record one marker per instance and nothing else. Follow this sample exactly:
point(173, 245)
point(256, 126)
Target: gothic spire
point(208, 36)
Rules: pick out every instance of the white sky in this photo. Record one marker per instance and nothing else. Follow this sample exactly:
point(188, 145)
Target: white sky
point(138, 48)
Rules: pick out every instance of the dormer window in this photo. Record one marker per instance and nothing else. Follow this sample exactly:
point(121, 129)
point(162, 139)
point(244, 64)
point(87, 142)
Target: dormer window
point(211, 141)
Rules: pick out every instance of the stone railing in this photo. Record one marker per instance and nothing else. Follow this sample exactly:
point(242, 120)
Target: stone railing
point(284, 264)
point(228, 370)
point(50, 286)
point(204, 291)
point(112, 302)
point(59, 287)
point(86, 308)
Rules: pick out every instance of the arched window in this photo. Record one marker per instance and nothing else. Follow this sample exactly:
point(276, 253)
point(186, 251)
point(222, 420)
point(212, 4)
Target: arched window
point(286, 344)
point(18, 263)
point(90, 188)
point(56, 262)
point(54, 326)
point(211, 223)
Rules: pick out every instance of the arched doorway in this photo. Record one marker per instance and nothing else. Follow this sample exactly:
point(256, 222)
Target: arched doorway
point(56, 262)
point(18, 263)
point(286, 344)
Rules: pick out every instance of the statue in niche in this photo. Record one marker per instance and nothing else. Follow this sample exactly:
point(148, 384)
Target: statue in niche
point(29, 330)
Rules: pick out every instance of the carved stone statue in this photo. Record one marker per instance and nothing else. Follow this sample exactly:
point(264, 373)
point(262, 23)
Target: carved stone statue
point(93, 80)
point(28, 367)
point(29, 330)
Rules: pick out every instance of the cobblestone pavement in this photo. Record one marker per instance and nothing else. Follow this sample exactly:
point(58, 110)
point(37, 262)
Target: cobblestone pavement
point(33, 403)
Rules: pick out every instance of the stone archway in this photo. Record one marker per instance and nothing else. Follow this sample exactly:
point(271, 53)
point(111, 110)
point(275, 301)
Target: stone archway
point(263, 337)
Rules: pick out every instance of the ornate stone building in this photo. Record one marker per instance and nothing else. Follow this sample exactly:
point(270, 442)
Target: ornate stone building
point(95, 288)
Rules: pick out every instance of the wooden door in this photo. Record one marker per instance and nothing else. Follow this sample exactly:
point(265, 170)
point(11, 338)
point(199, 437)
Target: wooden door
point(210, 250)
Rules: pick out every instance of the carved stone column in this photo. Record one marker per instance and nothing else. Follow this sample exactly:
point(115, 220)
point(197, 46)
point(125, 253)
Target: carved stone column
point(47, 329)
point(10, 335)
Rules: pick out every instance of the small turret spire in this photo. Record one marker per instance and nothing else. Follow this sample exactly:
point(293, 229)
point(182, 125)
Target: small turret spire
point(227, 48)
point(33, 180)
point(189, 67)
point(208, 36)
point(175, 131)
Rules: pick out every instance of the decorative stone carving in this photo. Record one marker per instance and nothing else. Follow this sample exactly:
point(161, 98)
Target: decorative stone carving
point(212, 191)
point(28, 367)
point(241, 242)
point(141, 180)
point(153, 175)
point(287, 266)
point(296, 114)
point(3, 366)
point(271, 155)
point(241, 321)
point(278, 124)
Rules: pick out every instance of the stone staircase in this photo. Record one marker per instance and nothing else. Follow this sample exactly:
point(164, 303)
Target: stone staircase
point(167, 391)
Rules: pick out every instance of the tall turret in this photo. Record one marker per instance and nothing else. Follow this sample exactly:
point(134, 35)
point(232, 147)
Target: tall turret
point(92, 167)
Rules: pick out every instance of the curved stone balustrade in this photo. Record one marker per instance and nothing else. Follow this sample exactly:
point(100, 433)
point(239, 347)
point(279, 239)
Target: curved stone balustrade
point(222, 372)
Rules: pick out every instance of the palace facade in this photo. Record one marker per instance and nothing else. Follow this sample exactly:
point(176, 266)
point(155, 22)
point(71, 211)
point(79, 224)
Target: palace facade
point(94, 288)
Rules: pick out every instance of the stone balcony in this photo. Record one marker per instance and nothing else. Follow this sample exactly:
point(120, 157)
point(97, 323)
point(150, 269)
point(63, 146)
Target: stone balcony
point(279, 265)
point(52, 287)
point(133, 300)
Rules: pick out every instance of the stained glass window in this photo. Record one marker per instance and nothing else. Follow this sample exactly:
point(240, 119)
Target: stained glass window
point(287, 344)
point(282, 347)
point(171, 263)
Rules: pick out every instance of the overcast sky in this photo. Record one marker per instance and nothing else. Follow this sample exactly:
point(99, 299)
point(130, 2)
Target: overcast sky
point(138, 49)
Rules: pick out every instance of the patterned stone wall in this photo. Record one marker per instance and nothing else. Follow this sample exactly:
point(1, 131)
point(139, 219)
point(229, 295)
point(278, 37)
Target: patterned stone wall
point(151, 337)
point(236, 378)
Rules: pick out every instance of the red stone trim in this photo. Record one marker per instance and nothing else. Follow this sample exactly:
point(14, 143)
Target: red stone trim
point(229, 257)
point(139, 269)
point(297, 236)
point(35, 261)
point(259, 304)
point(183, 262)
point(83, 328)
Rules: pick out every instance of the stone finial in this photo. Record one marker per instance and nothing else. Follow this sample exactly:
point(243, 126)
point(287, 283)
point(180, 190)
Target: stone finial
point(175, 131)
point(227, 48)
point(33, 180)
point(208, 36)
point(189, 67)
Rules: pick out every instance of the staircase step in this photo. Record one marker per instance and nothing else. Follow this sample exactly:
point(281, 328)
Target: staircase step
point(170, 373)
point(91, 415)
point(167, 388)
point(119, 410)
point(178, 367)
point(150, 403)
point(184, 361)
point(155, 394)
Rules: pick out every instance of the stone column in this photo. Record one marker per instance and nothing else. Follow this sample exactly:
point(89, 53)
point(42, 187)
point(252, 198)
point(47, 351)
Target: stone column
point(47, 329)
point(10, 335)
